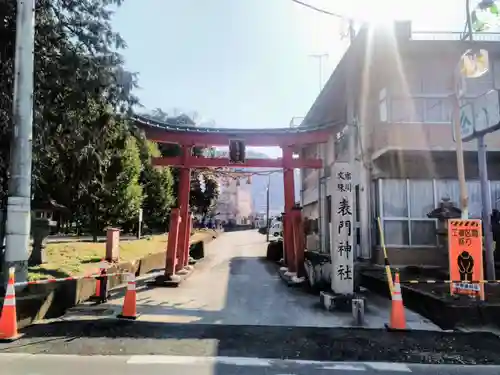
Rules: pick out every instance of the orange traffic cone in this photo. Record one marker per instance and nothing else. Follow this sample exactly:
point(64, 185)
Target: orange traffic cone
point(129, 310)
point(8, 320)
point(398, 320)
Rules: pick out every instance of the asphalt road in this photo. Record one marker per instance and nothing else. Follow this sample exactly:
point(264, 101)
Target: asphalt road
point(235, 285)
point(20, 364)
point(227, 318)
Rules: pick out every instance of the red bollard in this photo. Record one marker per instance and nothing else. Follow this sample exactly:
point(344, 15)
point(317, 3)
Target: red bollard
point(101, 287)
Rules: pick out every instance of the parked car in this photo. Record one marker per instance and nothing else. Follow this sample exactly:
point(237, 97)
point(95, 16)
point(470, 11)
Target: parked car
point(276, 231)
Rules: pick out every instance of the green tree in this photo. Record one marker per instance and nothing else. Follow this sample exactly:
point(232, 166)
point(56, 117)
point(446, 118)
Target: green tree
point(158, 188)
point(122, 193)
point(82, 96)
point(204, 194)
point(204, 184)
point(84, 154)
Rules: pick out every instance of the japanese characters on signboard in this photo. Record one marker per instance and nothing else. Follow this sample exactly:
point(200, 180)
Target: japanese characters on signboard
point(342, 235)
point(465, 242)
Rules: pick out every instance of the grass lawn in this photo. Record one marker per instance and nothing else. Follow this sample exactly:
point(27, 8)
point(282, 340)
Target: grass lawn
point(79, 258)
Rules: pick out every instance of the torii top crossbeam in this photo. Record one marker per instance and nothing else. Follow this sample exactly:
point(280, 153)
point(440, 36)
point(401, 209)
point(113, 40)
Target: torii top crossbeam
point(188, 135)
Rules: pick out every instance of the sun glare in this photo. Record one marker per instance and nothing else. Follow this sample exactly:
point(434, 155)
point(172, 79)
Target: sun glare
point(427, 13)
point(380, 12)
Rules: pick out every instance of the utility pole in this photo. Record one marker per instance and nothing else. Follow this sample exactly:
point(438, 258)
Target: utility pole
point(267, 207)
point(483, 174)
point(464, 198)
point(320, 58)
point(321, 178)
point(19, 199)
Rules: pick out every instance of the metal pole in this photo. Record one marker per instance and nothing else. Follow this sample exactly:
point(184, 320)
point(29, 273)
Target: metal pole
point(468, 19)
point(139, 224)
point(485, 188)
point(464, 198)
point(320, 59)
point(320, 73)
point(19, 199)
point(267, 207)
point(321, 188)
point(322, 220)
point(486, 211)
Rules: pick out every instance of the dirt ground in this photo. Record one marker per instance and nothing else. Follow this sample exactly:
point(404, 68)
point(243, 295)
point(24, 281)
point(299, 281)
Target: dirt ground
point(442, 291)
point(82, 257)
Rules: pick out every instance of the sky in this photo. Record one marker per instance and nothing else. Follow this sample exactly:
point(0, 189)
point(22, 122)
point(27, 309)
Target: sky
point(247, 63)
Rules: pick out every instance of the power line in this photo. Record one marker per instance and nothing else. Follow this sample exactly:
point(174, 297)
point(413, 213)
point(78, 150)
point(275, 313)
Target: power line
point(319, 9)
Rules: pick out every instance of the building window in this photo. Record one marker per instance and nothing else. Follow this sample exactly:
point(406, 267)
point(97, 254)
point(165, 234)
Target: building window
point(451, 189)
point(404, 208)
point(437, 110)
point(404, 204)
point(495, 194)
point(421, 109)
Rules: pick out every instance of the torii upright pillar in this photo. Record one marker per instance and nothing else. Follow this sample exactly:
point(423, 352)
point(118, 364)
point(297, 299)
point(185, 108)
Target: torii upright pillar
point(289, 190)
point(183, 198)
point(178, 237)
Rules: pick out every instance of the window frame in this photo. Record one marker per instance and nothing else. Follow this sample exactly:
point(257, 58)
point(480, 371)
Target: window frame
point(441, 97)
point(407, 219)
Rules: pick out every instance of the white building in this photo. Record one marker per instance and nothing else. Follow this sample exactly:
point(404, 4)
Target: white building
point(234, 203)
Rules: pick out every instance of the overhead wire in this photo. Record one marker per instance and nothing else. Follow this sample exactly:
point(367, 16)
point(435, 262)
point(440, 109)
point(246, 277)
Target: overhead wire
point(338, 15)
point(320, 10)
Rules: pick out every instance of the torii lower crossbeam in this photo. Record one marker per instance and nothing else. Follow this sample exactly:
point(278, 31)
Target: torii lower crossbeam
point(202, 162)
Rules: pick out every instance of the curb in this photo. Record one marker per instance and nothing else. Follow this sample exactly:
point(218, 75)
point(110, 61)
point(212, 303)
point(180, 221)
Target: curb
point(140, 282)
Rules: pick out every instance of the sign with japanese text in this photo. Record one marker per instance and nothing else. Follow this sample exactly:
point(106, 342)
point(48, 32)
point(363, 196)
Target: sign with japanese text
point(342, 235)
point(465, 243)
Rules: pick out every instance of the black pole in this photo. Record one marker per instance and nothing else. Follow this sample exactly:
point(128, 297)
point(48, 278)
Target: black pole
point(267, 209)
point(468, 20)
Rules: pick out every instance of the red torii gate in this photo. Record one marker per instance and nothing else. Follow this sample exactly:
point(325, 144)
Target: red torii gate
point(187, 137)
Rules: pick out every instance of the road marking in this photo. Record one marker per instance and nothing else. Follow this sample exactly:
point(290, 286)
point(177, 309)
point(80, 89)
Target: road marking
point(188, 360)
point(345, 367)
point(166, 359)
point(387, 366)
point(242, 361)
point(265, 362)
point(204, 361)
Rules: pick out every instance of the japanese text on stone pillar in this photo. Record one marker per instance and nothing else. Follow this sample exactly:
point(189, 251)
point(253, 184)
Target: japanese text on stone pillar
point(342, 251)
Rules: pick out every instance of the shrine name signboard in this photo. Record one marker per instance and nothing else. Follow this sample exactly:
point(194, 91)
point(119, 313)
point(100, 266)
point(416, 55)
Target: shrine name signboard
point(342, 235)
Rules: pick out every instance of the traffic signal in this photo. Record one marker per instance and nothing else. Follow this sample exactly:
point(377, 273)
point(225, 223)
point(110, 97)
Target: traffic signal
point(236, 151)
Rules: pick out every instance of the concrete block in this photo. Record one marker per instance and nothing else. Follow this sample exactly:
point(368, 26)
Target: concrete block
point(339, 302)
